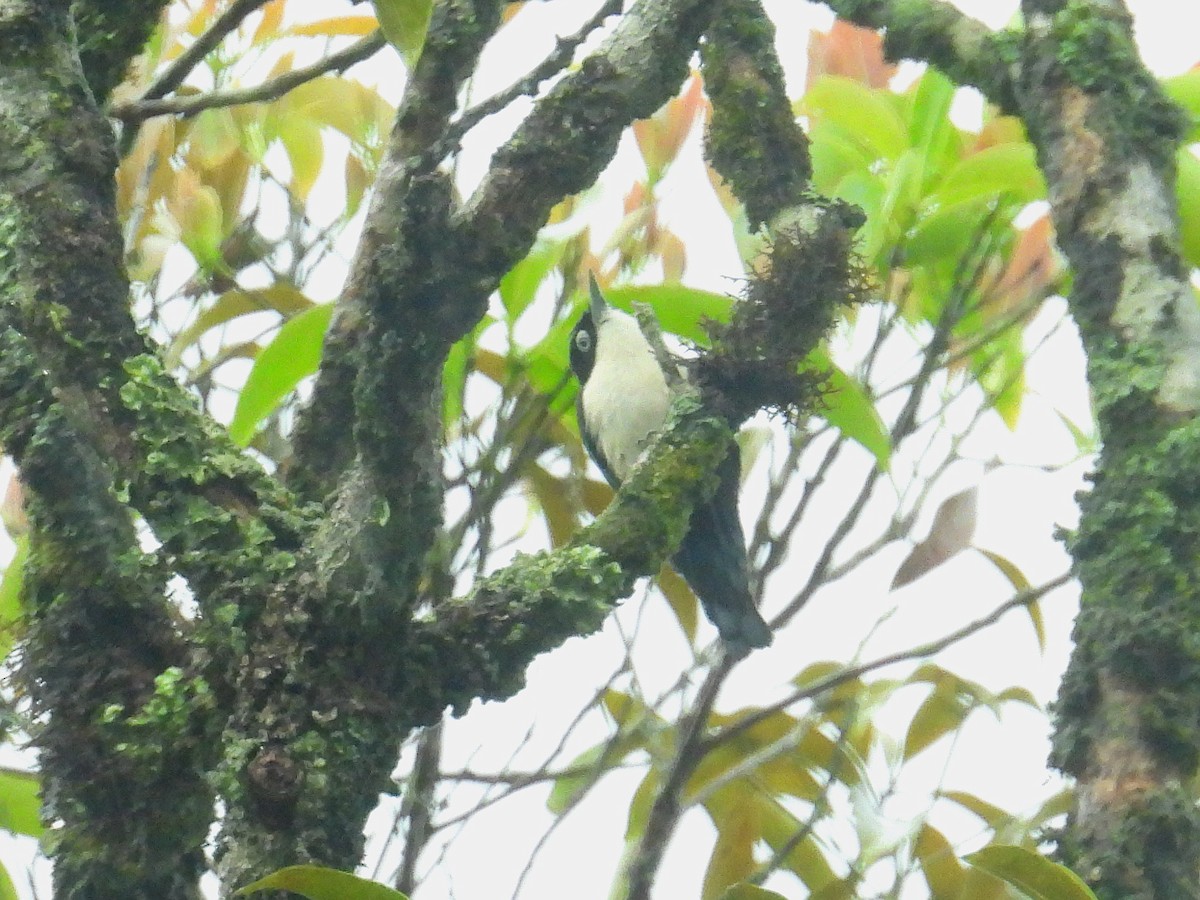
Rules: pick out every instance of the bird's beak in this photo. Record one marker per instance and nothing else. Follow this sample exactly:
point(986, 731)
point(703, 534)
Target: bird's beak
point(599, 306)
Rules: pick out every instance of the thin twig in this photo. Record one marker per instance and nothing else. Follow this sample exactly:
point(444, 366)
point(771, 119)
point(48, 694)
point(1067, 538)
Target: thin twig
point(564, 52)
point(820, 808)
point(664, 812)
point(179, 70)
point(273, 89)
point(418, 804)
point(1020, 599)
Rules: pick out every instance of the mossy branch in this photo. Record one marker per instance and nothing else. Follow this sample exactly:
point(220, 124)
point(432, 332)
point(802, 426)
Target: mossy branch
point(99, 640)
point(936, 32)
point(809, 274)
point(480, 646)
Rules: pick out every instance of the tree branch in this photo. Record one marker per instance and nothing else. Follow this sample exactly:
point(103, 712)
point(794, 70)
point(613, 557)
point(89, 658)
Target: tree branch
point(110, 35)
point(668, 803)
point(150, 106)
point(175, 74)
point(123, 730)
point(1127, 722)
point(938, 33)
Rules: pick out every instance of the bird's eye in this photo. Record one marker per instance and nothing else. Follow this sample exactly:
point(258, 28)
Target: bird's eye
point(583, 341)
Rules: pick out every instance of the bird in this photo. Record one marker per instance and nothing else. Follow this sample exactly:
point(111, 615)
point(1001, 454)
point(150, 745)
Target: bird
point(623, 400)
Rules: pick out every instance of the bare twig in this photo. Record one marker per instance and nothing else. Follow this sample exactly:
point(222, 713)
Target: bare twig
point(139, 110)
point(418, 804)
point(564, 51)
point(179, 70)
point(665, 810)
point(1021, 599)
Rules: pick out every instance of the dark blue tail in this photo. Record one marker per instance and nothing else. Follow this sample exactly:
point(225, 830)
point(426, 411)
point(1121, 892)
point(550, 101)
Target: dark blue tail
point(712, 559)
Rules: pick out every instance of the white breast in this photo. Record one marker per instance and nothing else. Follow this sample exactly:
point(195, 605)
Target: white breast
point(626, 396)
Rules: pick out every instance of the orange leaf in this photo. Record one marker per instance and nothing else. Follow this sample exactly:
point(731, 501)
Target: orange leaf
point(337, 26)
point(269, 24)
point(850, 51)
point(660, 137)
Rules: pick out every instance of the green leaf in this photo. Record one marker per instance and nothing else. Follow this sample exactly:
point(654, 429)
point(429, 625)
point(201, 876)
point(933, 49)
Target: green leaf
point(1003, 170)
point(20, 806)
point(866, 190)
point(999, 366)
point(8, 890)
point(1032, 873)
point(320, 883)
point(280, 297)
point(834, 157)
point(519, 286)
point(11, 585)
point(405, 24)
point(946, 233)
point(1187, 192)
point(847, 406)
point(864, 115)
point(547, 363)
point(681, 310)
point(930, 129)
point(897, 208)
point(294, 354)
point(1185, 90)
point(587, 768)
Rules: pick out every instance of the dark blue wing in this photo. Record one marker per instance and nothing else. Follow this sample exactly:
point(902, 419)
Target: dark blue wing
point(590, 445)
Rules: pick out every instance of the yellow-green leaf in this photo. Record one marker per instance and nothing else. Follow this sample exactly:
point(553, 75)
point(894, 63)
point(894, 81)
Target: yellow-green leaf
point(405, 23)
point(306, 152)
point(11, 585)
point(20, 806)
point(1020, 583)
point(1187, 192)
point(746, 891)
point(939, 863)
point(338, 26)
point(279, 297)
point(197, 210)
point(682, 600)
point(213, 137)
point(320, 883)
point(848, 408)
point(732, 859)
point(862, 114)
point(1040, 878)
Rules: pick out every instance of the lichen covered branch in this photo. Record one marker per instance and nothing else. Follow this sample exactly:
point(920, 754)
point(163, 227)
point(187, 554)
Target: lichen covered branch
point(123, 725)
point(938, 33)
point(1129, 706)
